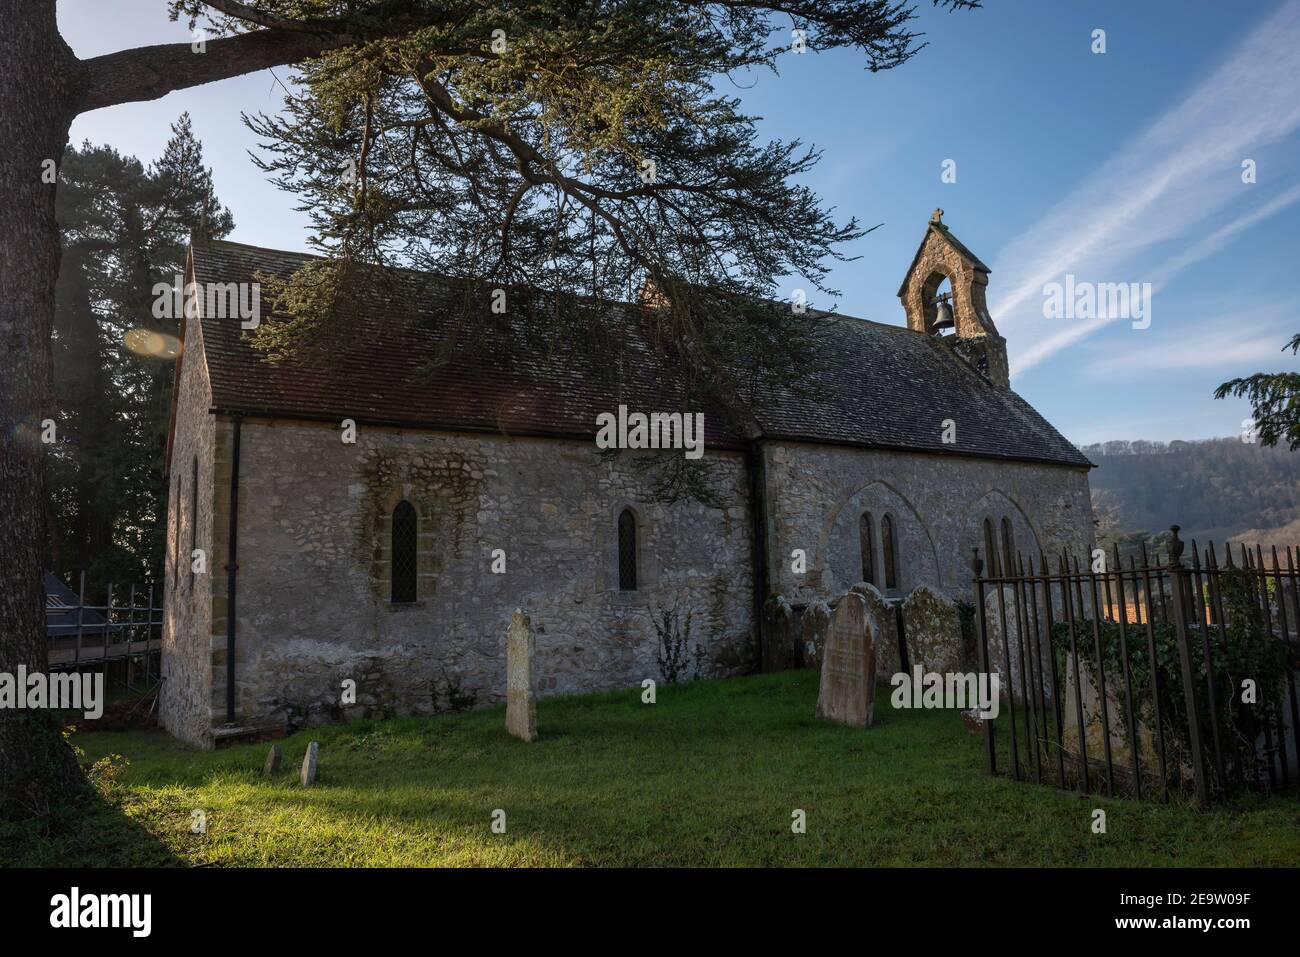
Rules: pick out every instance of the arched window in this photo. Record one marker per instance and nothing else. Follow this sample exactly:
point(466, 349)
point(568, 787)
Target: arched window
point(990, 550)
point(627, 550)
point(194, 516)
point(1008, 546)
point(891, 560)
point(867, 542)
point(176, 538)
point(404, 553)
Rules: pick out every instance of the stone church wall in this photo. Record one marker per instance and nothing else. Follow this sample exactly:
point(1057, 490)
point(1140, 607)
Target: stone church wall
point(185, 699)
point(315, 558)
point(817, 495)
point(315, 565)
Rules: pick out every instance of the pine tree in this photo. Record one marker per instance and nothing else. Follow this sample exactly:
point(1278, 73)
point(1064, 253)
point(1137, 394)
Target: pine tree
point(1274, 399)
point(125, 230)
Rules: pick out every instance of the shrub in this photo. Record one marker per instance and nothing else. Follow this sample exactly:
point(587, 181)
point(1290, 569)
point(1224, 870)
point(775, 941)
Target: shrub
point(674, 654)
point(1245, 650)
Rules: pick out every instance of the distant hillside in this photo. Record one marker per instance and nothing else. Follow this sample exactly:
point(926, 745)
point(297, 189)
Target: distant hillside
point(1218, 489)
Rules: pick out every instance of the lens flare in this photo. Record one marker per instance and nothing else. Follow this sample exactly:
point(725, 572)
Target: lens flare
point(152, 344)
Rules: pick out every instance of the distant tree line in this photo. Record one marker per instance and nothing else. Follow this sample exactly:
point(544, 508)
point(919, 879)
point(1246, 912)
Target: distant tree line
point(1213, 488)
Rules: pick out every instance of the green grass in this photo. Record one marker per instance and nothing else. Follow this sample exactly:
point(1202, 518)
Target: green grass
point(707, 776)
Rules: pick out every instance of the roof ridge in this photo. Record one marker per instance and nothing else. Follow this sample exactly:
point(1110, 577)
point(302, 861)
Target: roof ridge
point(879, 384)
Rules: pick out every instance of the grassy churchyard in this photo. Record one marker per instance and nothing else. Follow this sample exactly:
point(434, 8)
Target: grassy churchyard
point(709, 775)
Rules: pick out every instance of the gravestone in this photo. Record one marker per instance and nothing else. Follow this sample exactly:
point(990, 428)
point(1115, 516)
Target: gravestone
point(521, 705)
point(816, 619)
point(273, 759)
point(932, 630)
point(781, 648)
point(888, 662)
point(848, 681)
point(308, 776)
point(1012, 675)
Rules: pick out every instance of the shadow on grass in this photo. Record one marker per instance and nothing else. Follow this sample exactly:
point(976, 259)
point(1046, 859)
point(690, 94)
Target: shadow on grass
point(710, 775)
point(93, 832)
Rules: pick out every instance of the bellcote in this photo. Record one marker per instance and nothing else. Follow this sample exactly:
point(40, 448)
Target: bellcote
point(963, 311)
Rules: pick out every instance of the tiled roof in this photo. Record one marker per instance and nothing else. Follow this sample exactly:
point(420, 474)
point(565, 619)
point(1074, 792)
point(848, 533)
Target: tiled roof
point(878, 385)
point(889, 387)
point(389, 371)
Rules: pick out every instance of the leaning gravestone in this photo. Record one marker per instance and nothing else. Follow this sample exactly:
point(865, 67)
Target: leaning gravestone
point(309, 765)
point(848, 682)
point(932, 630)
point(273, 759)
point(888, 663)
point(521, 705)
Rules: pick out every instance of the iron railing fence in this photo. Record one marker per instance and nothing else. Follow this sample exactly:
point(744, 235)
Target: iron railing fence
point(1146, 676)
point(126, 628)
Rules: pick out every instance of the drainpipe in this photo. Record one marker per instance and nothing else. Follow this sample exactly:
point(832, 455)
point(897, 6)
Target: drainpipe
point(758, 518)
point(232, 567)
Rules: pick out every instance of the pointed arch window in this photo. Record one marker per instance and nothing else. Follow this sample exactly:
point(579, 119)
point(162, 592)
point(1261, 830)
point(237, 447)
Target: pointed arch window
point(867, 545)
point(887, 539)
point(176, 535)
point(990, 549)
point(627, 569)
point(194, 516)
point(405, 527)
point(1008, 546)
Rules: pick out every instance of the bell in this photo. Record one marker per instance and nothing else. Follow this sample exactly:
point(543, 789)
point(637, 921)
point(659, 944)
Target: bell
point(943, 316)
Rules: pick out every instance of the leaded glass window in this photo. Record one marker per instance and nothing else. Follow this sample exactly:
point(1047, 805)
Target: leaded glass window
point(627, 550)
point(867, 544)
point(404, 553)
point(891, 560)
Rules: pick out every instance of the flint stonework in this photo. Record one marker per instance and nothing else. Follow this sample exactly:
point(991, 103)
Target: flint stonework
point(848, 680)
point(521, 704)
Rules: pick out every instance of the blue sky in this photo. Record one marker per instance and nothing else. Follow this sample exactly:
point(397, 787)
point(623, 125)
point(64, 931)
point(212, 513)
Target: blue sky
point(1123, 166)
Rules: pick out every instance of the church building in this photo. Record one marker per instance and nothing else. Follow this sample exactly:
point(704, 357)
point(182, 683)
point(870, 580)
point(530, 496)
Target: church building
point(376, 518)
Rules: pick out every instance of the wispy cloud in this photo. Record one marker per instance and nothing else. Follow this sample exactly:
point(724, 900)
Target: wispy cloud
point(1252, 338)
point(1165, 190)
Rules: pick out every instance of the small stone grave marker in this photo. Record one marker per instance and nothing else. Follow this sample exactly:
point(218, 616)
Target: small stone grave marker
point(521, 704)
point(309, 765)
point(273, 759)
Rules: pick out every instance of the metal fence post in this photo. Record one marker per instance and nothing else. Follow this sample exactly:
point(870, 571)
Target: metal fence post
point(130, 633)
point(81, 608)
point(1178, 580)
point(981, 638)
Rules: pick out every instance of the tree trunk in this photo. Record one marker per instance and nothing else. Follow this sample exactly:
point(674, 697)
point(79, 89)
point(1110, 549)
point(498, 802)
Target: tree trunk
point(38, 771)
